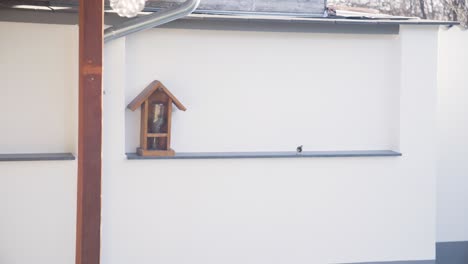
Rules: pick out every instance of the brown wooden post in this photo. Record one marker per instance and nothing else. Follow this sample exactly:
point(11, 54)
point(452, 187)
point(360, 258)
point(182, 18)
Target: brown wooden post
point(88, 231)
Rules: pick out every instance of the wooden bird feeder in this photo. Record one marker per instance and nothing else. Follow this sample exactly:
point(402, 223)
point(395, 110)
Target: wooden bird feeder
point(156, 115)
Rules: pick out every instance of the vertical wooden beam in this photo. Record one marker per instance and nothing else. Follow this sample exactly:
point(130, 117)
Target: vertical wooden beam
point(88, 234)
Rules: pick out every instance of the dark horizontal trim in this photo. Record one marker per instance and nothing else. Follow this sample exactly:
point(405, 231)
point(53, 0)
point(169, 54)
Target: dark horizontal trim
point(36, 156)
point(452, 252)
point(321, 20)
point(401, 262)
point(279, 154)
point(278, 26)
point(455, 252)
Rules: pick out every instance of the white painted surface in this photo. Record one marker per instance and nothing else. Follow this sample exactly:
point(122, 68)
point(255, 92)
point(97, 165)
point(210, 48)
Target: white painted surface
point(240, 211)
point(38, 79)
point(270, 91)
point(38, 87)
point(274, 211)
point(452, 181)
point(38, 212)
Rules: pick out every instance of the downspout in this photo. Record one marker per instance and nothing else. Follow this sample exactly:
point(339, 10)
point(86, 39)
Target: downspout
point(150, 21)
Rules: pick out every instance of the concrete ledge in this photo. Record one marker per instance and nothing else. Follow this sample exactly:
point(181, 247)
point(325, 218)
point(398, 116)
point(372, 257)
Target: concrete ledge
point(282, 154)
point(452, 252)
point(36, 156)
point(446, 253)
point(400, 262)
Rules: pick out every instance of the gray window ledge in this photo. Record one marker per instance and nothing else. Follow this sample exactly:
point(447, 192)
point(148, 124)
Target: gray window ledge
point(279, 154)
point(36, 156)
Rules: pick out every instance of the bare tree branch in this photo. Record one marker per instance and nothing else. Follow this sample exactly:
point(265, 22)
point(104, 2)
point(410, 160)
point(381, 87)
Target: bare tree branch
point(453, 10)
point(423, 9)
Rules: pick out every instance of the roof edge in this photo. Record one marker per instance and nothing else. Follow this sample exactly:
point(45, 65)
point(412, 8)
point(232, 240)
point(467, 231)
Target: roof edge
point(281, 17)
point(150, 89)
point(319, 20)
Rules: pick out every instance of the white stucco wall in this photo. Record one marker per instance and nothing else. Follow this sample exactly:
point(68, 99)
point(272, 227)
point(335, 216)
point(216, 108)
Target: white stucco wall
point(38, 212)
point(452, 180)
point(38, 87)
point(38, 69)
point(270, 90)
point(336, 91)
point(274, 211)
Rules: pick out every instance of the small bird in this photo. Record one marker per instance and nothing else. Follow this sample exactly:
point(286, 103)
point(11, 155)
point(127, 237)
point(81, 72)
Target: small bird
point(299, 149)
point(329, 12)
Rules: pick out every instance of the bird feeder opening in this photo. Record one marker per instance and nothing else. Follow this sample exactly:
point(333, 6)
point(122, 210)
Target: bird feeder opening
point(157, 126)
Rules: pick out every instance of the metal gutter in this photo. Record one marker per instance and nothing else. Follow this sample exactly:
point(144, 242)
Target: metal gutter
point(150, 21)
point(326, 20)
point(245, 13)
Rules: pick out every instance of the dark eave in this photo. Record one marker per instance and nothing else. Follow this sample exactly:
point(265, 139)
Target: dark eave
point(70, 6)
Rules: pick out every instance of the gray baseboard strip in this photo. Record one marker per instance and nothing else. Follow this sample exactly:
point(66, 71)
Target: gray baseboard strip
point(36, 156)
point(446, 253)
point(400, 262)
point(278, 154)
point(452, 252)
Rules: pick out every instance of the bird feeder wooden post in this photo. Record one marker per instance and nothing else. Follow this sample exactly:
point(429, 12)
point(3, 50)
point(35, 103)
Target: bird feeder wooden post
point(156, 118)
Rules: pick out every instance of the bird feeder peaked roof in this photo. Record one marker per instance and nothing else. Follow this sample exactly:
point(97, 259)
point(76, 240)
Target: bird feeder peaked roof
point(148, 91)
